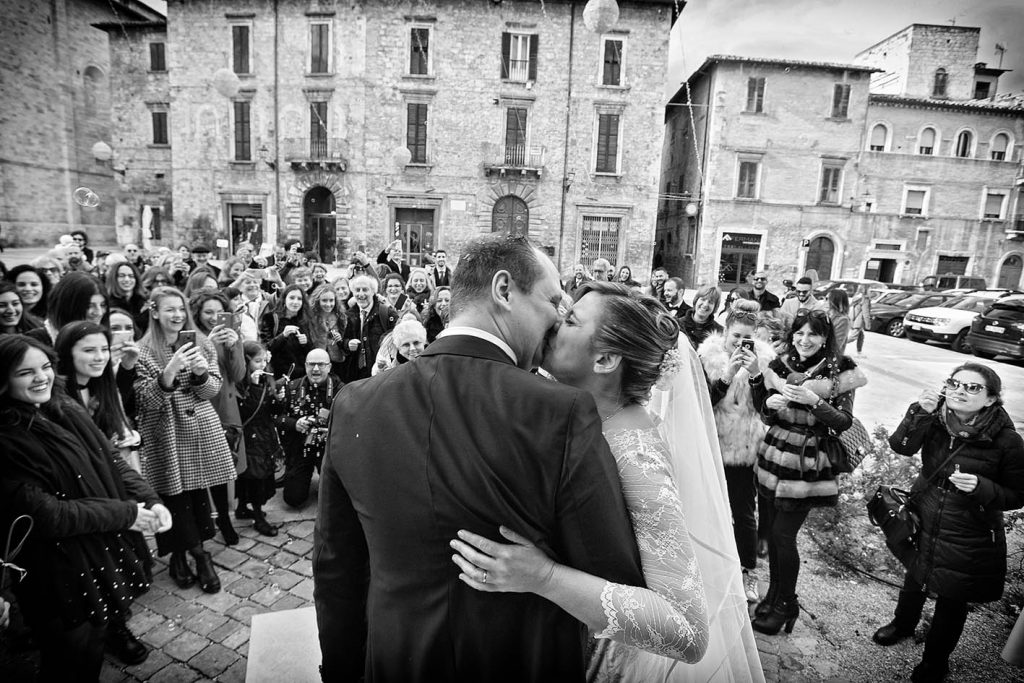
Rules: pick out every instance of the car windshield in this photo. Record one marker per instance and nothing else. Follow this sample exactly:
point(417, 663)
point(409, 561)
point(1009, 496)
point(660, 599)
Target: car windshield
point(969, 303)
point(893, 297)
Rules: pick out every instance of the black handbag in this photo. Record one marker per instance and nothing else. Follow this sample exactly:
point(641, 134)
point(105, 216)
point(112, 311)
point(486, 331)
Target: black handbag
point(848, 448)
point(891, 510)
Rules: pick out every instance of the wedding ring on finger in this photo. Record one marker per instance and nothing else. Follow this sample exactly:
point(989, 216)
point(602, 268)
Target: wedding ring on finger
point(484, 579)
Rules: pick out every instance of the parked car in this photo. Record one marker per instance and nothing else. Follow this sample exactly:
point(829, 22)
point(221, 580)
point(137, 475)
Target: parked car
point(823, 287)
point(952, 281)
point(998, 291)
point(948, 323)
point(999, 330)
point(887, 313)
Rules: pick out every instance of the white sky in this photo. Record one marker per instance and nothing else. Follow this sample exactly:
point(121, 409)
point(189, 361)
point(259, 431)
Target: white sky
point(835, 30)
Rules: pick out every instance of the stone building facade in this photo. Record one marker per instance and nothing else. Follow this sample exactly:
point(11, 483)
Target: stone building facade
point(912, 181)
point(354, 124)
point(55, 66)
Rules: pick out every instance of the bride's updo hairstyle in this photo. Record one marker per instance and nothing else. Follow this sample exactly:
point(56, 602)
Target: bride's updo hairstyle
point(638, 328)
point(742, 311)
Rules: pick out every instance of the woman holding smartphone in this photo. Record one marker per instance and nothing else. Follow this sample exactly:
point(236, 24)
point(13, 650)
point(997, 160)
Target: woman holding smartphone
point(284, 331)
point(968, 442)
point(184, 448)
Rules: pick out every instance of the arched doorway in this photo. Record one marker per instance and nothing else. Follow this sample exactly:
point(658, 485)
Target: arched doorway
point(1010, 272)
point(510, 216)
point(319, 223)
point(819, 257)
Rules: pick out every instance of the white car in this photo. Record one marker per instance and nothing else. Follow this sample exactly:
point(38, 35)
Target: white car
point(950, 322)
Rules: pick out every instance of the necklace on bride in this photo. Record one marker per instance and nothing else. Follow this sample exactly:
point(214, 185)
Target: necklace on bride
point(613, 413)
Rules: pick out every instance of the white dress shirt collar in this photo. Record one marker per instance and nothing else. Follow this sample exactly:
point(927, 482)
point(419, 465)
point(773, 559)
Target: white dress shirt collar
point(481, 334)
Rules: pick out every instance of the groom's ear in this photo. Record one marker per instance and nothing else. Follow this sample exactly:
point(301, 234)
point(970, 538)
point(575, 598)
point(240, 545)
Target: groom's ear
point(607, 363)
point(501, 287)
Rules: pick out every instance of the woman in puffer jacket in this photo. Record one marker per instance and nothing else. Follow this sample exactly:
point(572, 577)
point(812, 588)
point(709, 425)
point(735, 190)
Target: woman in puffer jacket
point(729, 358)
point(966, 434)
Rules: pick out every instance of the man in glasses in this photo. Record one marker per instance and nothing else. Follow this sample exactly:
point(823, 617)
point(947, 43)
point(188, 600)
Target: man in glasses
point(303, 427)
point(760, 293)
point(803, 299)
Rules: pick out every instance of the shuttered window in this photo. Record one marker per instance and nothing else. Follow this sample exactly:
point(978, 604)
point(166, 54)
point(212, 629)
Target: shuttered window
point(831, 177)
point(240, 49)
point(243, 146)
point(755, 95)
point(519, 56)
point(419, 52)
point(915, 202)
point(840, 101)
point(612, 71)
point(157, 57)
point(994, 205)
point(159, 127)
point(747, 186)
point(607, 144)
point(318, 130)
point(927, 143)
point(878, 135)
point(320, 48)
point(1000, 144)
point(416, 131)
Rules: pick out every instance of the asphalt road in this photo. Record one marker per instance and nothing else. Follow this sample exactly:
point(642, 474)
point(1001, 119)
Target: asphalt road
point(898, 369)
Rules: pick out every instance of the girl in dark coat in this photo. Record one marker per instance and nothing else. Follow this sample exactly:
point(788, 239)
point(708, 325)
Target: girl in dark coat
point(962, 546)
point(125, 291)
point(285, 331)
point(85, 557)
point(258, 405)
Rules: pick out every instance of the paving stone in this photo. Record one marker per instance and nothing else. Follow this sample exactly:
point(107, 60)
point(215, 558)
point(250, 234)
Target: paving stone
point(282, 559)
point(156, 661)
point(254, 569)
point(218, 602)
point(244, 587)
point(289, 602)
point(263, 550)
point(237, 638)
point(230, 558)
point(267, 595)
point(303, 566)
point(244, 542)
point(109, 673)
point(213, 660)
point(234, 673)
point(244, 610)
point(303, 589)
point(205, 621)
point(168, 605)
point(300, 547)
point(175, 673)
point(243, 650)
point(277, 541)
point(302, 530)
point(158, 637)
point(285, 578)
point(143, 620)
point(186, 646)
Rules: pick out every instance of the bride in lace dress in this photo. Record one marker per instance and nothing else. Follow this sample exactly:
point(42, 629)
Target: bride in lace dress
point(690, 622)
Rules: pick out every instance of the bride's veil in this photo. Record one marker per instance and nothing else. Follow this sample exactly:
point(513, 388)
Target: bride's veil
point(687, 425)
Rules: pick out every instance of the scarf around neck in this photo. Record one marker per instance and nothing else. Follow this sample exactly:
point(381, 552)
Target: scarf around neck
point(973, 430)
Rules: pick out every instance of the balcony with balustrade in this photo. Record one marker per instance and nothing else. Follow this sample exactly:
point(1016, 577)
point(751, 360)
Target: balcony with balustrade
point(313, 153)
point(522, 160)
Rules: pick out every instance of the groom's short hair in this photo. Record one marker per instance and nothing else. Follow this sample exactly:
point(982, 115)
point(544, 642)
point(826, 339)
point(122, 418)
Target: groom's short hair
point(485, 256)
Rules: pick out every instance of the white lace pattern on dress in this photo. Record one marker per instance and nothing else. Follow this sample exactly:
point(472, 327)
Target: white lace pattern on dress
point(669, 617)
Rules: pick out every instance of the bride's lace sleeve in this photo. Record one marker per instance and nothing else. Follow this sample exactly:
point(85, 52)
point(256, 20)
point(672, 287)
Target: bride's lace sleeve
point(669, 617)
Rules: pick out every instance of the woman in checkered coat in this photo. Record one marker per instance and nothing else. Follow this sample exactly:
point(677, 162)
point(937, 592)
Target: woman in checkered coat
point(184, 451)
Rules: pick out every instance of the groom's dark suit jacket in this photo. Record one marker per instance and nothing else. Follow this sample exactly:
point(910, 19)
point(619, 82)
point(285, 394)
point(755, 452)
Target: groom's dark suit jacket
point(459, 439)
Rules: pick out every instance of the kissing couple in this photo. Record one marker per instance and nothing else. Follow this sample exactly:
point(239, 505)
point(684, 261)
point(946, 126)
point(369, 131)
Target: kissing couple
point(502, 516)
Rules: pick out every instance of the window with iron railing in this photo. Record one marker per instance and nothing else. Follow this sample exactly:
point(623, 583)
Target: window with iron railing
point(318, 130)
point(515, 136)
point(519, 56)
point(599, 238)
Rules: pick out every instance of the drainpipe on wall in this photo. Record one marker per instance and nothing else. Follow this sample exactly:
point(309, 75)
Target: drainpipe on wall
point(565, 141)
point(277, 130)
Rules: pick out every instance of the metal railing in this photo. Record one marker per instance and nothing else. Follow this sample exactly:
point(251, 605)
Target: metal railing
point(523, 156)
point(313, 149)
point(518, 69)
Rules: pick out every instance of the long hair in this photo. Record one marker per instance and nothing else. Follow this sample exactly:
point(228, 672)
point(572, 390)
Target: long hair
point(320, 319)
point(820, 324)
point(109, 415)
point(150, 276)
point(70, 298)
point(636, 327)
point(199, 299)
point(431, 312)
point(197, 279)
point(39, 310)
point(302, 317)
point(27, 321)
point(839, 300)
point(155, 340)
point(13, 348)
point(138, 293)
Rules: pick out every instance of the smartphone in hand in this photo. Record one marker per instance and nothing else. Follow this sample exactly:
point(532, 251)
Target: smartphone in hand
point(184, 337)
point(228, 320)
point(748, 344)
point(122, 336)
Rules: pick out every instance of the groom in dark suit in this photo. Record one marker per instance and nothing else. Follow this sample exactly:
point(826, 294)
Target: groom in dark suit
point(465, 438)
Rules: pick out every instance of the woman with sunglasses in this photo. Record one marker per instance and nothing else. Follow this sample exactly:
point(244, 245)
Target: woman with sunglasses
point(804, 395)
point(968, 441)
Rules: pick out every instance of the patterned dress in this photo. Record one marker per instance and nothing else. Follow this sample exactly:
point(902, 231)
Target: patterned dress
point(651, 627)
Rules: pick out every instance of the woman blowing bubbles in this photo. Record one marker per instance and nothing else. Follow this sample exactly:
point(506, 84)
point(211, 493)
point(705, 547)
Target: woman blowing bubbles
point(968, 442)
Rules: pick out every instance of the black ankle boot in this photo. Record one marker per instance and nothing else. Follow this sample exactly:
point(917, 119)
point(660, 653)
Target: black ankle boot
point(784, 613)
point(261, 525)
point(243, 512)
point(226, 530)
point(892, 633)
point(123, 644)
point(208, 579)
point(180, 572)
point(928, 672)
point(766, 605)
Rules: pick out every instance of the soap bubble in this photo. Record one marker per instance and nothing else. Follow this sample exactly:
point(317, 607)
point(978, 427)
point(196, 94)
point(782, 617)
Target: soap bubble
point(275, 589)
point(86, 197)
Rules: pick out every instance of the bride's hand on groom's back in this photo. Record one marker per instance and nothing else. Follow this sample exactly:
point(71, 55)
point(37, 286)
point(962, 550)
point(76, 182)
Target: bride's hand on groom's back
point(517, 567)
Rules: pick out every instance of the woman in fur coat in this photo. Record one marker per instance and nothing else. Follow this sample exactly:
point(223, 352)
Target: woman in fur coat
point(729, 358)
